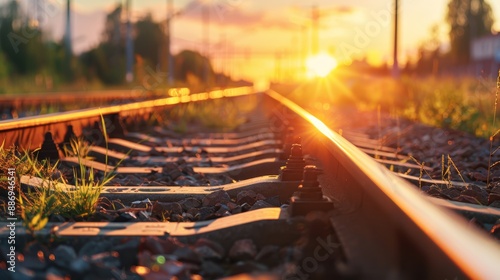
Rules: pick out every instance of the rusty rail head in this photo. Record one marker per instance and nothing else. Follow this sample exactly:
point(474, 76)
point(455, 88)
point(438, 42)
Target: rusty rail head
point(96, 112)
point(471, 251)
point(28, 132)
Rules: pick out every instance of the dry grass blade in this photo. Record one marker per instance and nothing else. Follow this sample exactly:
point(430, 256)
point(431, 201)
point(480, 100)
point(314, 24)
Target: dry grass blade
point(450, 161)
point(495, 164)
point(493, 136)
point(78, 147)
point(494, 152)
point(422, 171)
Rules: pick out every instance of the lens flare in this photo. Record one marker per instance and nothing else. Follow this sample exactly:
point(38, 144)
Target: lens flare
point(320, 65)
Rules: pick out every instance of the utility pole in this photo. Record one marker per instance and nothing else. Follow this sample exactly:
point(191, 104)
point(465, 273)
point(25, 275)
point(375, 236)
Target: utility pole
point(170, 58)
point(314, 32)
point(129, 47)
point(206, 41)
point(395, 66)
point(304, 50)
point(67, 42)
point(67, 32)
point(277, 65)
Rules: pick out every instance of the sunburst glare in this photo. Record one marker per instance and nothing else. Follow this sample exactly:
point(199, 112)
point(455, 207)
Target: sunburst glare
point(320, 65)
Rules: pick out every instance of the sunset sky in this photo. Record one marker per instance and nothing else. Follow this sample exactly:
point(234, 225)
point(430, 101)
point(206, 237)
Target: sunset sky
point(261, 39)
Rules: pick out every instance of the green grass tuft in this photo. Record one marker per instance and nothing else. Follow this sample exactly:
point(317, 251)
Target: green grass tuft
point(54, 196)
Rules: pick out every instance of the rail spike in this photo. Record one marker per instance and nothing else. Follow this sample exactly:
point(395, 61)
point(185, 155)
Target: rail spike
point(288, 141)
point(66, 143)
point(309, 196)
point(294, 165)
point(49, 149)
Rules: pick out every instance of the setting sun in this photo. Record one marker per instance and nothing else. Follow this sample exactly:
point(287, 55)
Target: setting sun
point(320, 65)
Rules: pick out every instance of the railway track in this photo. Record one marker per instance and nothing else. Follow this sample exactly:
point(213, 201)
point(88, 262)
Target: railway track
point(281, 196)
point(13, 106)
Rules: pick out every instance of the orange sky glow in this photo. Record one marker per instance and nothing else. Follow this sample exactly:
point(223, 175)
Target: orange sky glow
point(266, 39)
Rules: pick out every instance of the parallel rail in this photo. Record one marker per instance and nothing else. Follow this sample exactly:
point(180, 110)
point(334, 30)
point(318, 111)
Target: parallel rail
point(21, 105)
point(425, 241)
point(29, 132)
point(388, 230)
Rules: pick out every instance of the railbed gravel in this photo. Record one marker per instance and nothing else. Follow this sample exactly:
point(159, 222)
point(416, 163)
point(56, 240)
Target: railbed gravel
point(469, 155)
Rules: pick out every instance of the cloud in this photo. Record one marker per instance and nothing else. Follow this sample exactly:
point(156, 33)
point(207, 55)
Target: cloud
point(302, 15)
point(230, 13)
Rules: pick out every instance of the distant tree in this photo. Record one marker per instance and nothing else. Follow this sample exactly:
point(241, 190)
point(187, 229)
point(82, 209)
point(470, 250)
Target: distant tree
point(429, 53)
point(149, 41)
point(24, 50)
point(23, 53)
point(468, 19)
point(4, 67)
point(107, 61)
point(192, 67)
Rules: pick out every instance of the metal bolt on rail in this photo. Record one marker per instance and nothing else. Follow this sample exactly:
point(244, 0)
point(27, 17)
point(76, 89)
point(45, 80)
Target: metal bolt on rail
point(288, 141)
point(114, 125)
point(68, 136)
point(49, 149)
point(309, 196)
point(294, 168)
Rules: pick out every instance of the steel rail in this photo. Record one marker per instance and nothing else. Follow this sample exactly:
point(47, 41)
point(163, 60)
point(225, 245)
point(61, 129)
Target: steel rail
point(70, 95)
point(22, 131)
point(436, 242)
point(60, 98)
point(96, 112)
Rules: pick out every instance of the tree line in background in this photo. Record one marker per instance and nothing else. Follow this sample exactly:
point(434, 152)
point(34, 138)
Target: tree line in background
point(26, 52)
point(468, 20)
point(22, 48)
